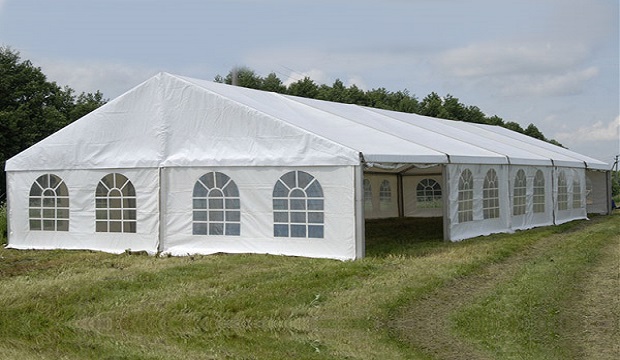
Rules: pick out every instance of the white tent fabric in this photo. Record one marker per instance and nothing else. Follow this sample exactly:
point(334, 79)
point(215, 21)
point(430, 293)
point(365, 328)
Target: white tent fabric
point(169, 134)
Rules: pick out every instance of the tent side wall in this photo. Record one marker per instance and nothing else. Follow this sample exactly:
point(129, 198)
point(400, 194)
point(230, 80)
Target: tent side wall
point(569, 189)
point(256, 213)
point(64, 214)
point(598, 193)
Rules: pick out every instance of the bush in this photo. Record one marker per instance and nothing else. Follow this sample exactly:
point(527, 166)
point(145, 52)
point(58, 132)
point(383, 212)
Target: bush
point(3, 224)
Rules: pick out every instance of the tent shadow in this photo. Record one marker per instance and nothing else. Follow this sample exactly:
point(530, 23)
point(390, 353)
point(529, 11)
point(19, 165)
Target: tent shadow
point(403, 236)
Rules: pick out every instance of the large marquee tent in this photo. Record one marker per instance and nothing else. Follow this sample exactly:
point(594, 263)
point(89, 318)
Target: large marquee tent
point(184, 166)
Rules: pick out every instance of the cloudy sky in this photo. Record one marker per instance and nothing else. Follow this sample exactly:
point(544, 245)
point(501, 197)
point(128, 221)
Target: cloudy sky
point(553, 63)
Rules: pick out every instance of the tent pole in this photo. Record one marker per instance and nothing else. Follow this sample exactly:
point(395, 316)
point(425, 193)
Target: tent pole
point(446, 202)
point(360, 230)
point(401, 196)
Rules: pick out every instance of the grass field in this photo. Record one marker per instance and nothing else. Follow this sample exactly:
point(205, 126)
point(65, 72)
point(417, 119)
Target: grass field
point(548, 293)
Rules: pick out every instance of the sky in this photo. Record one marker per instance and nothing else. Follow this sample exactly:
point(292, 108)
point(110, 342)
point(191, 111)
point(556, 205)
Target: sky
point(553, 63)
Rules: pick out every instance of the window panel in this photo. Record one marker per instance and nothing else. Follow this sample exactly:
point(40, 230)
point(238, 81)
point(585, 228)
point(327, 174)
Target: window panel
point(490, 195)
point(280, 204)
point(233, 203)
point(216, 215)
point(314, 190)
point(46, 207)
point(465, 198)
point(295, 193)
point(200, 215)
point(35, 225)
point(315, 217)
point(298, 231)
point(298, 204)
point(233, 216)
point(116, 226)
point(216, 228)
point(233, 229)
point(62, 225)
point(315, 231)
point(199, 203)
point(49, 225)
point(216, 194)
point(314, 204)
point(280, 217)
point(199, 229)
point(298, 217)
point(280, 230)
point(116, 205)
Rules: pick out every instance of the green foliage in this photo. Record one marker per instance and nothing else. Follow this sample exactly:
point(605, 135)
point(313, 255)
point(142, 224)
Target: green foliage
point(448, 107)
point(32, 108)
point(3, 224)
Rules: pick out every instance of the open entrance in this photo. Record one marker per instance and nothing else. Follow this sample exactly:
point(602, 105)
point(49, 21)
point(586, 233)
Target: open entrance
point(406, 191)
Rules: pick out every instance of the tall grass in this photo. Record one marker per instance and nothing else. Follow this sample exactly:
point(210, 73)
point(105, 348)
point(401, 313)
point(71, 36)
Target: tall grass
point(90, 305)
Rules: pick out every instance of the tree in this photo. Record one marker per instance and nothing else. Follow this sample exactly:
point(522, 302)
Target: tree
point(511, 125)
point(304, 88)
point(273, 83)
point(32, 108)
point(533, 131)
point(244, 77)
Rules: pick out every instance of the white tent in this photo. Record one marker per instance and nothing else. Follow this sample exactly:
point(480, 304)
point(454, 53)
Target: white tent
point(182, 166)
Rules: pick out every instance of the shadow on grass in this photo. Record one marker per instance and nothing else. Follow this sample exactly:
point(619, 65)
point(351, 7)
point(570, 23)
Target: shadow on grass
point(403, 236)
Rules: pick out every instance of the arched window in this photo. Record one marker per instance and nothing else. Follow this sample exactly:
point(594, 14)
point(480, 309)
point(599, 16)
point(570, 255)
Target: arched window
point(490, 196)
point(562, 191)
point(428, 194)
point(385, 195)
point(49, 204)
point(298, 206)
point(115, 203)
point(466, 196)
point(539, 192)
point(520, 186)
point(216, 205)
point(367, 195)
point(576, 193)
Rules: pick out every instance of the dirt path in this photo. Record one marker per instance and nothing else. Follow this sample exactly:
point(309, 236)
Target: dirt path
point(427, 325)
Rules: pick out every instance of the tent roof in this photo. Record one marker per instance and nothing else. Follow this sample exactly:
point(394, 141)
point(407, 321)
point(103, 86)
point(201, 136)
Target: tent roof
point(179, 121)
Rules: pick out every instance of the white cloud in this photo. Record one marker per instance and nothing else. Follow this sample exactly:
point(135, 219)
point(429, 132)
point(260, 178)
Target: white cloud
point(571, 82)
point(593, 133)
point(485, 59)
point(109, 78)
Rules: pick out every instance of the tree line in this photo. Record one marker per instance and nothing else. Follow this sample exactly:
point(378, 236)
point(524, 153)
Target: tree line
point(32, 107)
point(444, 107)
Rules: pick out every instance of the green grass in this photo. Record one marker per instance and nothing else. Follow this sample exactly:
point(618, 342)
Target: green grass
point(533, 294)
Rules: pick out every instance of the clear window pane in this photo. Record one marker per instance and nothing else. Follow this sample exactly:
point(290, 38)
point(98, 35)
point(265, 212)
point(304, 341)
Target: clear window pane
point(233, 229)
point(116, 226)
point(315, 231)
point(298, 230)
point(216, 229)
point(199, 229)
point(280, 230)
point(233, 216)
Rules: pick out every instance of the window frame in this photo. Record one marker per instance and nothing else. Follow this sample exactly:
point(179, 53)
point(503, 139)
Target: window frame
point(298, 206)
point(490, 196)
point(519, 194)
point(216, 215)
point(48, 204)
point(466, 196)
point(117, 213)
point(429, 194)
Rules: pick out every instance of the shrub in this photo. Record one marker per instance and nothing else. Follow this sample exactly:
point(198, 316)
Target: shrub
point(3, 224)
